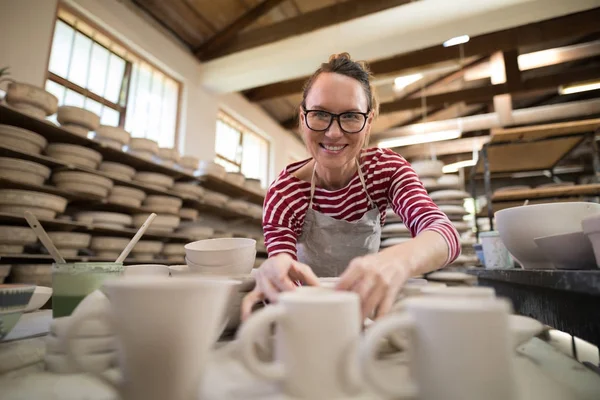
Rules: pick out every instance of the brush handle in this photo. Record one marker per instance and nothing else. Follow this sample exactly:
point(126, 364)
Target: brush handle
point(136, 238)
point(44, 238)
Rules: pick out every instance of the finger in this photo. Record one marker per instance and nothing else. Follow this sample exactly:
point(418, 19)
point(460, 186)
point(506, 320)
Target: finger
point(278, 274)
point(388, 302)
point(374, 298)
point(270, 291)
point(304, 273)
point(352, 275)
point(249, 301)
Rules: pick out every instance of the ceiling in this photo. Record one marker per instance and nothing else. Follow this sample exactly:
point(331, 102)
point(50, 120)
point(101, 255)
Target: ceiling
point(534, 58)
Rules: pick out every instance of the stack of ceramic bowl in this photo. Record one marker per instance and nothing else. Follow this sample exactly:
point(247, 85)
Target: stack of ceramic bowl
point(112, 136)
point(190, 214)
point(73, 154)
point(95, 343)
point(42, 205)
point(451, 202)
point(215, 198)
point(83, 182)
point(168, 157)
point(189, 190)
point(21, 139)
point(255, 211)
point(108, 247)
point(145, 149)
point(429, 171)
point(69, 243)
point(394, 232)
point(101, 219)
point(154, 180)
point(31, 100)
point(162, 204)
point(174, 252)
point(189, 164)
point(126, 196)
point(4, 271)
point(23, 171)
point(77, 120)
point(253, 184)
point(147, 250)
point(161, 224)
point(197, 230)
point(211, 168)
point(238, 206)
point(13, 239)
point(35, 274)
point(236, 178)
point(233, 258)
point(117, 170)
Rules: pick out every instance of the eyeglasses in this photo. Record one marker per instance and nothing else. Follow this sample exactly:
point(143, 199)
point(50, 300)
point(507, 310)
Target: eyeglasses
point(349, 122)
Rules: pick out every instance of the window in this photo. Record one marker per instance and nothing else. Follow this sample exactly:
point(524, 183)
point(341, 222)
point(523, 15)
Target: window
point(241, 150)
point(91, 70)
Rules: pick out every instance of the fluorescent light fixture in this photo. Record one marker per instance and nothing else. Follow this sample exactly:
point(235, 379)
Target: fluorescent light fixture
point(403, 81)
point(420, 138)
point(580, 87)
point(456, 40)
point(454, 167)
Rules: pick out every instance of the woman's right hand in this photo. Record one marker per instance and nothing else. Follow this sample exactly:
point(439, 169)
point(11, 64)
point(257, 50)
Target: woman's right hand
point(277, 274)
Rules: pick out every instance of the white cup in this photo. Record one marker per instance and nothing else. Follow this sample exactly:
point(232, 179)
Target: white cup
point(460, 348)
point(495, 253)
point(316, 343)
point(165, 328)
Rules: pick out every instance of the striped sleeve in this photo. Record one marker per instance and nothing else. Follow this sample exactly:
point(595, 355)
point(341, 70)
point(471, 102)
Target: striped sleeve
point(411, 202)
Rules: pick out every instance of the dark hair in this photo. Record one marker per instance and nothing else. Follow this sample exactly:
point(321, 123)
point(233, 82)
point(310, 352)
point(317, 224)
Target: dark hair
point(343, 64)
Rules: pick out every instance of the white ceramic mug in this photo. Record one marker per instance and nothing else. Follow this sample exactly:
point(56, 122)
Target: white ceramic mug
point(165, 328)
point(495, 253)
point(316, 343)
point(459, 349)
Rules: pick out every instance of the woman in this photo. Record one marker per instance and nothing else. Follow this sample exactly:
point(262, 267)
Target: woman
point(323, 216)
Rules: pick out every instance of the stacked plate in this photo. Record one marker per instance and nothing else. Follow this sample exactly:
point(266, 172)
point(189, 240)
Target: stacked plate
point(394, 232)
point(211, 168)
point(83, 182)
point(117, 170)
point(69, 243)
point(77, 120)
point(31, 100)
point(126, 196)
point(147, 250)
point(21, 139)
point(214, 198)
point(168, 157)
point(108, 247)
point(163, 204)
point(73, 154)
point(35, 274)
point(95, 344)
point(23, 171)
point(161, 224)
point(154, 180)
point(174, 252)
point(13, 239)
point(145, 149)
point(190, 214)
point(42, 205)
point(190, 190)
point(112, 136)
point(101, 219)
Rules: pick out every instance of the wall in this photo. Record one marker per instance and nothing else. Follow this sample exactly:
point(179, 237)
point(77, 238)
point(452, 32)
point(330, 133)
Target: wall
point(28, 59)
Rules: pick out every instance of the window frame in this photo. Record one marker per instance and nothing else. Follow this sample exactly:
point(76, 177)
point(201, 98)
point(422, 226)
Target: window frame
point(130, 57)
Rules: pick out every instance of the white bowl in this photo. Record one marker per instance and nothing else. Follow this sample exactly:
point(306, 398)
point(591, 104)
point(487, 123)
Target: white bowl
point(16, 197)
point(568, 251)
point(519, 226)
point(222, 251)
point(428, 168)
point(241, 267)
point(41, 295)
point(146, 269)
point(70, 240)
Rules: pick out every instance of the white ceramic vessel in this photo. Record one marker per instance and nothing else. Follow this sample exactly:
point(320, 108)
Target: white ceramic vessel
point(568, 251)
point(23, 171)
point(21, 139)
point(428, 168)
point(228, 251)
point(78, 116)
point(18, 93)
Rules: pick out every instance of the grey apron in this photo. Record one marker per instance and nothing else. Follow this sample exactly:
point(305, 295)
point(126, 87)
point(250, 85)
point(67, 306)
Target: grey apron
point(328, 245)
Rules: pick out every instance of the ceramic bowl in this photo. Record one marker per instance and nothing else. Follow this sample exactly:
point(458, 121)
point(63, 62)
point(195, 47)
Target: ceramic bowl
point(113, 144)
point(28, 109)
point(74, 154)
point(14, 299)
point(40, 297)
point(70, 240)
point(108, 243)
point(189, 162)
point(174, 249)
point(144, 155)
point(121, 171)
point(23, 171)
point(189, 189)
point(76, 129)
point(253, 184)
point(156, 200)
point(119, 135)
point(33, 274)
point(189, 214)
point(591, 228)
point(226, 251)
point(83, 182)
point(214, 198)
point(154, 179)
point(16, 235)
point(78, 116)
point(21, 139)
point(568, 251)
point(30, 94)
point(519, 226)
point(142, 144)
point(160, 222)
point(26, 198)
point(211, 168)
point(428, 168)
point(146, 269)
point(449, 181)
point(169, 154)
point(236, 178)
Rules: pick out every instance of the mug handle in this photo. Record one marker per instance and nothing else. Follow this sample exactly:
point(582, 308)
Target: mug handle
point(380, 330)
point(249, 334)
point(73, 356)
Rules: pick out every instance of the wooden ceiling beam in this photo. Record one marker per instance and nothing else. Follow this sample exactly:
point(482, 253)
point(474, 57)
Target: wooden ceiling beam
point(304, 23)
point(573, 25)
point(456, 146)
point(486, 93)
point(220, 40)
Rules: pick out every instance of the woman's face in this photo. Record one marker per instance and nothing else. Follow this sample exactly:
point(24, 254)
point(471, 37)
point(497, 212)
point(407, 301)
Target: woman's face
point(336, 94)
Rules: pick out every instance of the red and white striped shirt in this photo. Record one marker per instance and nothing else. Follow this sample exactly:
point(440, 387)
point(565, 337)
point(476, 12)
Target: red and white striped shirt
point(389, 179)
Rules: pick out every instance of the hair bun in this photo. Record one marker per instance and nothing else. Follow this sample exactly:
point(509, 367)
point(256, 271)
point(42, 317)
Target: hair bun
point(340, 56)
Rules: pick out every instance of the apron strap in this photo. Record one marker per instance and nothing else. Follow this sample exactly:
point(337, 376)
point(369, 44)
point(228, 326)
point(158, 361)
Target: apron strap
point(360, 176)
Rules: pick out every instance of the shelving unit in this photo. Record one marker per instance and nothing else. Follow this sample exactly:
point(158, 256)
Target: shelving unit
point(529, 149)
point(88, 202)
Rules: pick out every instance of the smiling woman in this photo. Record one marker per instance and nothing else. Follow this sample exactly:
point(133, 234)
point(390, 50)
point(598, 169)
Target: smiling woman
point(323, 216)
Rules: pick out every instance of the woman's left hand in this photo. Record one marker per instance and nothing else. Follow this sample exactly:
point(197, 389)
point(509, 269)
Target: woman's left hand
point(377, 279)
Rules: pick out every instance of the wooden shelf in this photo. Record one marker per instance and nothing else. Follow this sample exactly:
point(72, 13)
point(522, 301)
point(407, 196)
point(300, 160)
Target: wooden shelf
point(538, 132)
point(49, 224)
point(546, 193)
point(45, 258)
point(10, 184)
point(222, 186)
point(220, 211)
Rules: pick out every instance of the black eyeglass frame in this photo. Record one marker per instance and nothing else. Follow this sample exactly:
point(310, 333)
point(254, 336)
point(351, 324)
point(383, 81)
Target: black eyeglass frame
point(336, 117)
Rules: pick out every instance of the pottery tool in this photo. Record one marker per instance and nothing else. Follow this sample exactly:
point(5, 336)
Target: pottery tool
point(526, 202)
point(136, 238)
point(44, 238)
